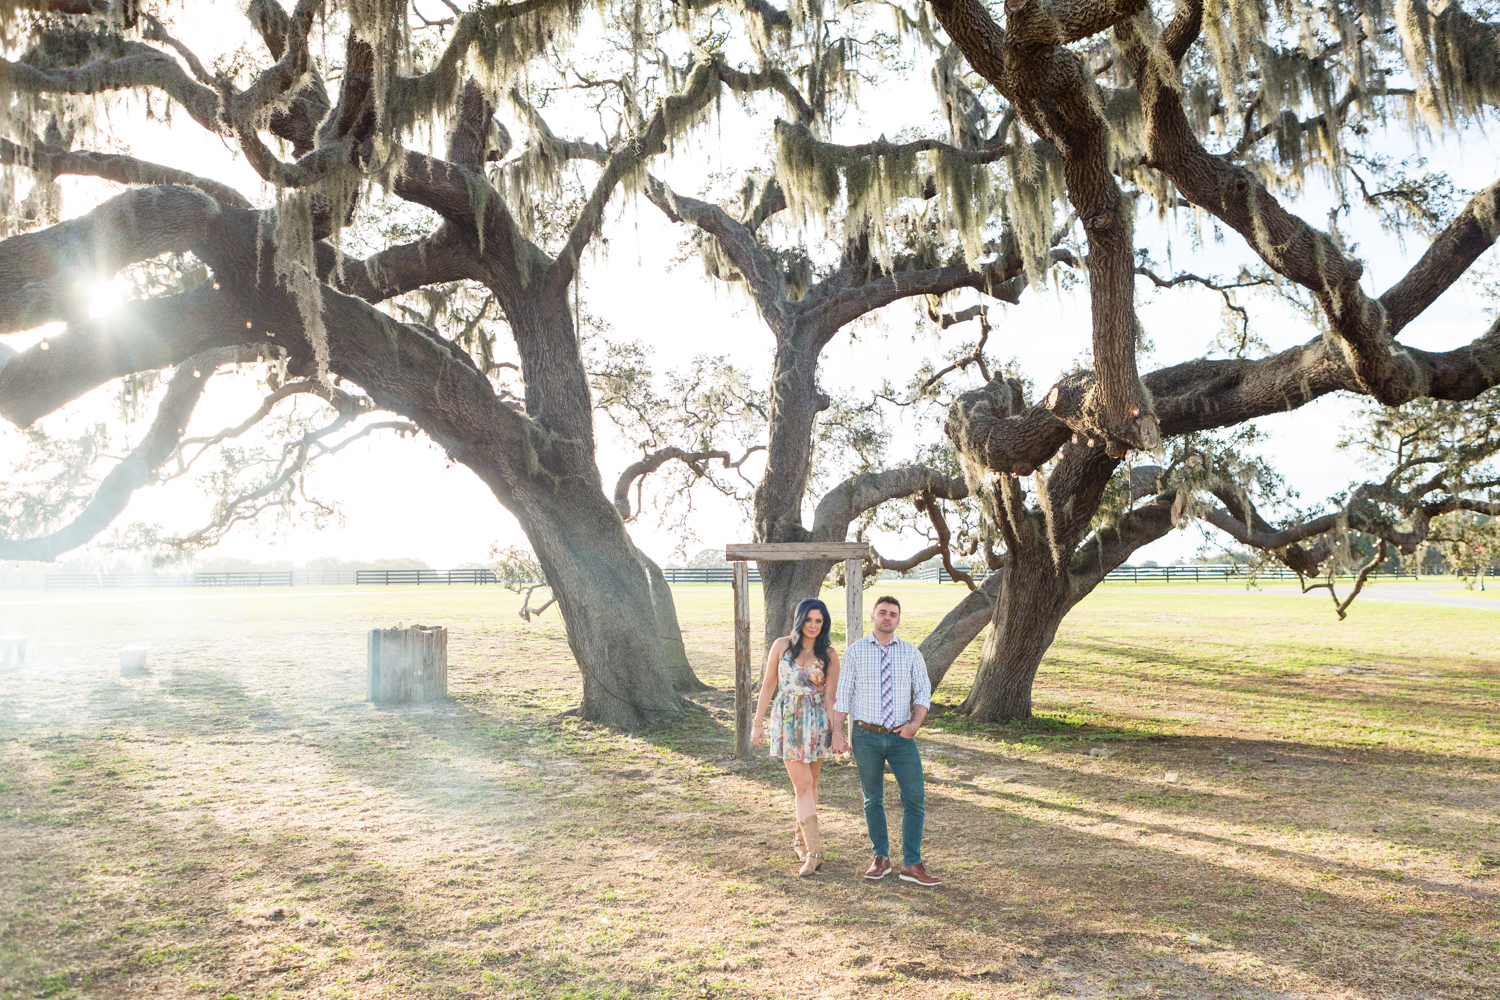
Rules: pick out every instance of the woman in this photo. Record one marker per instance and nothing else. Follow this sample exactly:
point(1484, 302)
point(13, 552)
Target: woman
point(799, 669)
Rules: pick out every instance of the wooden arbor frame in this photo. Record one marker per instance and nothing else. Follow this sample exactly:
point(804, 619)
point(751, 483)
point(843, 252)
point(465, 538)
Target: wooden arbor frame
point(854, 555)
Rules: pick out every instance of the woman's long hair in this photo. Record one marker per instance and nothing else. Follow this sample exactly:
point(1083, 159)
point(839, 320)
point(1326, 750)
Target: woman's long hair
point(820, 644)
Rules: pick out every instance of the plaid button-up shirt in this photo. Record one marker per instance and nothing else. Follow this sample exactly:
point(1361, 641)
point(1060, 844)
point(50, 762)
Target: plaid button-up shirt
point(859, 681)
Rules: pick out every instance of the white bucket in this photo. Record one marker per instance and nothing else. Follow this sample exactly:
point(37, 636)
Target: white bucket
point(133, 659)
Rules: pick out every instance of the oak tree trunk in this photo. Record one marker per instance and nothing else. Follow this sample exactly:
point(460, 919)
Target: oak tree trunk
point(604, 596)
point(683, 677)
point(603, 589)
point(1034, 599)
point(795, 403)
point(783, 585)
point(947, 641)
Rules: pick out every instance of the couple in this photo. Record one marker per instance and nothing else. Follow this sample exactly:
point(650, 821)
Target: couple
point(883, 685)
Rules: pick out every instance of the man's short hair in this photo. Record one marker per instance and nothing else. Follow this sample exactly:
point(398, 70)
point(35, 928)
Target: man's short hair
point(887, 599)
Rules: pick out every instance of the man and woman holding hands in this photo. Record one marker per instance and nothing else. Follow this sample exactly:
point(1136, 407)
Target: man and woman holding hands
point(881, 686)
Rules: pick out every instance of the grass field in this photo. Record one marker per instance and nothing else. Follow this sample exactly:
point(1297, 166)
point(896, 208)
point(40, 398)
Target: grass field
point(1224, 795)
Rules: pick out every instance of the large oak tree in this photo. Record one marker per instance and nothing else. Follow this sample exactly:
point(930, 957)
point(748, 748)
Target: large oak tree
point(1228, 111)
point(264, 276)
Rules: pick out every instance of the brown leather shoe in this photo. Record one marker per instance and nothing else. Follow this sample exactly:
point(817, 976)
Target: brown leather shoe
point(878, 868)
point(918, 874)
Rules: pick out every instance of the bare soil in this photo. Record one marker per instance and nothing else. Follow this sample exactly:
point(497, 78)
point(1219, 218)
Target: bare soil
point(1224, 795)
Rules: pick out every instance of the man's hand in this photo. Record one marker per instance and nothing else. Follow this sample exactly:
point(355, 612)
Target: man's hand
point(839, 744)
point(910, 729)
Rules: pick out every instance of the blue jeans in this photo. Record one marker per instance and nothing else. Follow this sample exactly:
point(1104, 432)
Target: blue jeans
point(872, 752)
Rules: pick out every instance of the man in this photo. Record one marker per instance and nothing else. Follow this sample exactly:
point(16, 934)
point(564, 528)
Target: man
point(884, 686)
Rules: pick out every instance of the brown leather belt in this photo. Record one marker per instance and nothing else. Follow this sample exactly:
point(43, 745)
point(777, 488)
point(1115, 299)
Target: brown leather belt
point(874, 728)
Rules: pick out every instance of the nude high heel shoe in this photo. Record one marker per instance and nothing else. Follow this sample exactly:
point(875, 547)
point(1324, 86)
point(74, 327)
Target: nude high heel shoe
point(814, 859)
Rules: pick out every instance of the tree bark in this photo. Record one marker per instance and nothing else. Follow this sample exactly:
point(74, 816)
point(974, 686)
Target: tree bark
point(947, 642)
point(683, 677)
point(795, 403)
point(603, 593)
point(1033, 601)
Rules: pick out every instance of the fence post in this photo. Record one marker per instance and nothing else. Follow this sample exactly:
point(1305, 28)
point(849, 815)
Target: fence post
point(741, 659)
point(854, 600)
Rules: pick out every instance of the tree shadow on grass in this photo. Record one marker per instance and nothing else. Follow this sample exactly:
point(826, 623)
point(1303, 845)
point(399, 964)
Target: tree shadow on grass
point(546, 806)
point(739, 826)
point(1286, 684)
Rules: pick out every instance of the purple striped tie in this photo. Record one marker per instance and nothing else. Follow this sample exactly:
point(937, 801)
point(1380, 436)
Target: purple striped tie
point(887, 696)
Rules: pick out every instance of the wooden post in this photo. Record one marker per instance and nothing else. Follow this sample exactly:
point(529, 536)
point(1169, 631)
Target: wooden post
point(742, 708)
point(408, 664)
point(854, 600)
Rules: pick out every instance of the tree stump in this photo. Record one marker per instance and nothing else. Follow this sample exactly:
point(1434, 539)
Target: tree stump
point(408, 664)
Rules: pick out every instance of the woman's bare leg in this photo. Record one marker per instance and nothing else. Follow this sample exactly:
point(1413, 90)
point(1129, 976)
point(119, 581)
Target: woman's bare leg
point(802, 789)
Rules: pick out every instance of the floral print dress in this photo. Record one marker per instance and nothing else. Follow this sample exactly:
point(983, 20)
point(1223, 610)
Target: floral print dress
point(799, 728)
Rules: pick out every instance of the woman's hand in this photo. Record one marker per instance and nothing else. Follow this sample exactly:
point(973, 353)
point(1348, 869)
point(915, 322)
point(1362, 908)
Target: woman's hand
point(757, 734)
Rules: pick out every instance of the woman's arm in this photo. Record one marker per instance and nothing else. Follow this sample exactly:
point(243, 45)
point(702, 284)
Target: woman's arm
point(836, 719)
point(768, 684)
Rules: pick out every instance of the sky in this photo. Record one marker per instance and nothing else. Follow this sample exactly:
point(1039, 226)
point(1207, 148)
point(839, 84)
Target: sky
point(401, 498)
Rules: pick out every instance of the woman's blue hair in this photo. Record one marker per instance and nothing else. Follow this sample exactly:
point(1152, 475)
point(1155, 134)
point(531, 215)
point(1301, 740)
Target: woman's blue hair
point(820, 644)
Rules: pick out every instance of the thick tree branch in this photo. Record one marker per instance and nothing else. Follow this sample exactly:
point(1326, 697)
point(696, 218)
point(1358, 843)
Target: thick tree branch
point(769, 78)
point(927, 504)
point(134, 226)
point(833, 303)
point(697, 461)
point(44, 275)
point(476, 33)
point(115, 167)
point(138, 336)
point(737, 241)
point(843, 504)
point(1449, 257)
point(1108, 548)
point(959, 627)
point(903, 565)
point(884, 148)
point(437, 259)
point(141, 66)
point(137, 469)
point(1235, 195)
point(1040, 24)
point(1053, 92)
point(1268, 540)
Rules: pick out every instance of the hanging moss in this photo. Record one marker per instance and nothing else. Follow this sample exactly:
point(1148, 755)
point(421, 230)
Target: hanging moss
point(1036, 187)
point(1454, 59)
point(489, 43)
point(881, 190)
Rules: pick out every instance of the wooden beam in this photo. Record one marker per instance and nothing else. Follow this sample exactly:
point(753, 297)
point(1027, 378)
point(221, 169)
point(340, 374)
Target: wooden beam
point(854, 600)
point(741, 659)
point(796, 551)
